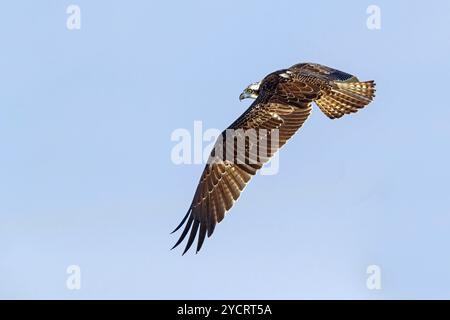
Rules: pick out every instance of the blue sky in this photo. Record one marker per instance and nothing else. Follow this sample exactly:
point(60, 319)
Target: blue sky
point(87, 179)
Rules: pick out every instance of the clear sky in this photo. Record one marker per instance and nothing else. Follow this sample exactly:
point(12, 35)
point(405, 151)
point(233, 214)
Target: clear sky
point(86, 176)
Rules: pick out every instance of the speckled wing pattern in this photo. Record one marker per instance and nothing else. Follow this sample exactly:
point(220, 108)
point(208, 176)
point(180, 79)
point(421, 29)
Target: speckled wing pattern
point(341, 93)
point(282, 107)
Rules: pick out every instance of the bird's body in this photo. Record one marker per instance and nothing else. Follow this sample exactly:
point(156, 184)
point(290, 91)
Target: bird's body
point(283, 103)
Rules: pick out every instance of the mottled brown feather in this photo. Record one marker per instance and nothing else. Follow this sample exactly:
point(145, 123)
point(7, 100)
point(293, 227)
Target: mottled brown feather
point(283, 105)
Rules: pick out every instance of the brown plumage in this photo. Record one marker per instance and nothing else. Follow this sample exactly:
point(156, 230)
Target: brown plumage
point(282, 105)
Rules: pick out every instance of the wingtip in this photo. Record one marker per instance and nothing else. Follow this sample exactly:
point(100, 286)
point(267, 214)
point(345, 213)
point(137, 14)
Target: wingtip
point(182, 221)
point(185, 231)
point(192, 236)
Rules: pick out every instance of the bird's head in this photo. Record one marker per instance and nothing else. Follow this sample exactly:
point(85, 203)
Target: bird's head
point(252, 91)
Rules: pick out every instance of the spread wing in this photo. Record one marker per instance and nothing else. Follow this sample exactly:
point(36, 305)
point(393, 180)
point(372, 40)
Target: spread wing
point(324, 72)
point(283, 105)
point(341, 93)
point(280, 113)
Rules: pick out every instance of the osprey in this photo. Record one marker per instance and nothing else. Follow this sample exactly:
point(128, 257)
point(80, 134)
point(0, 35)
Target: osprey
point(283, 101)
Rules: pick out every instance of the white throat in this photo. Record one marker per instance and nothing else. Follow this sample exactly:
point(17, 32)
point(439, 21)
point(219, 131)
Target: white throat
point(255, 86)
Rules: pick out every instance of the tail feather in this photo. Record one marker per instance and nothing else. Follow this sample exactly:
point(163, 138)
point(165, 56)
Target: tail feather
point(346, 98)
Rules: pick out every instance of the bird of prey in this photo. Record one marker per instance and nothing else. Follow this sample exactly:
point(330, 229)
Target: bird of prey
point(283, 101)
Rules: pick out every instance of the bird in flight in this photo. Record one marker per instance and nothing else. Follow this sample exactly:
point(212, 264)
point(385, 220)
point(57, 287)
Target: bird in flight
point(283, 102)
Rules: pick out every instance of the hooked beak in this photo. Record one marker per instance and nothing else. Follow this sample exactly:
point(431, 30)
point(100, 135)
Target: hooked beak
point(244, 95)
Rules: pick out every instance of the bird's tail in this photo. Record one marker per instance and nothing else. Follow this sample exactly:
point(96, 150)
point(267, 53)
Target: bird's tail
point(346, 97)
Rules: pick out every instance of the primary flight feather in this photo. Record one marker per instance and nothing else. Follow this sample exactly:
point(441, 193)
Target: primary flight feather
point(282, 104)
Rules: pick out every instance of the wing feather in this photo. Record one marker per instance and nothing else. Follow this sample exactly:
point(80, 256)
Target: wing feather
point(283, 105)
point(222, 182)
